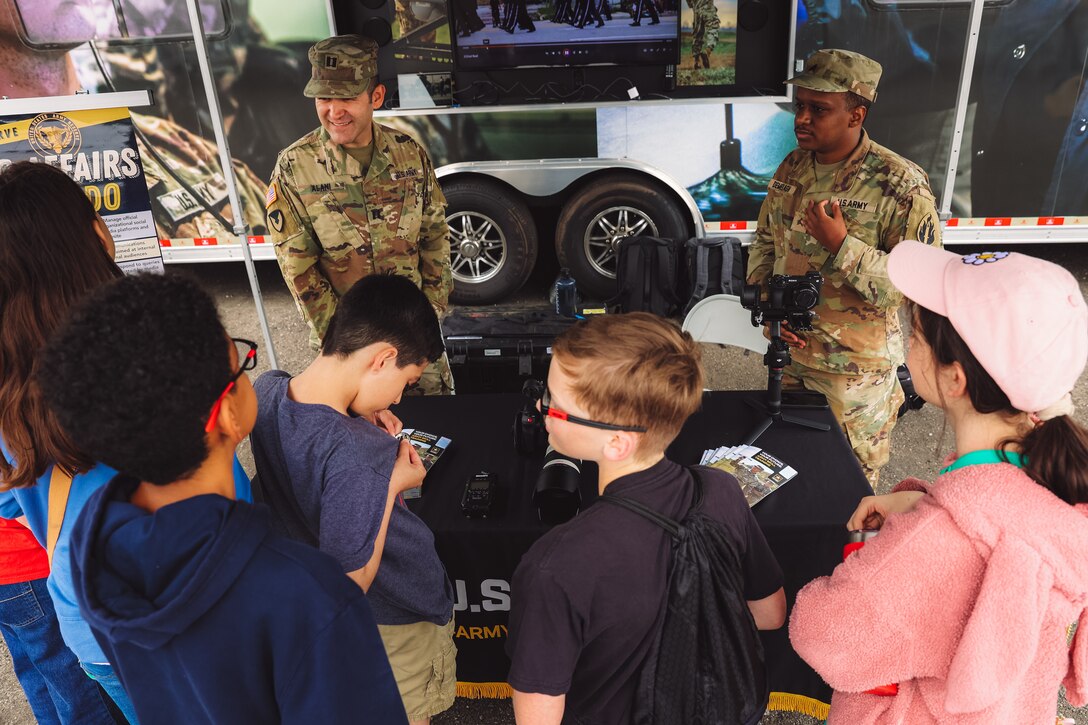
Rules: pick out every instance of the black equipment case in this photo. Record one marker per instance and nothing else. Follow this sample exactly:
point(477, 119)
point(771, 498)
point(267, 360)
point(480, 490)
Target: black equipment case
point(494, 349)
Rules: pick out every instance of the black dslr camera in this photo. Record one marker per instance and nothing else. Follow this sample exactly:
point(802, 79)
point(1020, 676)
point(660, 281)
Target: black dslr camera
point(790, 299)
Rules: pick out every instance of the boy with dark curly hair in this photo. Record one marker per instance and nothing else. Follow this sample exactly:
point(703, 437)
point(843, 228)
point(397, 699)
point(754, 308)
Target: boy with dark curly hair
point(207, 615)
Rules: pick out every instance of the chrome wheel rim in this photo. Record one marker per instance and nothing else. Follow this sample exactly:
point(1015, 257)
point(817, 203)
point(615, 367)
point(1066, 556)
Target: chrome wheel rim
point(477, 247)
point(605, 232)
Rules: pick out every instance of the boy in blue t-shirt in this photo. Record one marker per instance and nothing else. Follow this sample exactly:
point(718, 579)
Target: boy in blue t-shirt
point(205, 613)
point(333, 473)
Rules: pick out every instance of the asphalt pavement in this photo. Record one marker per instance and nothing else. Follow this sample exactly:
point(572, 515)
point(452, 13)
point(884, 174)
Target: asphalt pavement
point(919, 440)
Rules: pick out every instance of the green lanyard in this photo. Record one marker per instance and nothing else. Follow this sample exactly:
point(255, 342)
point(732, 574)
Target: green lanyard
point(975, 458)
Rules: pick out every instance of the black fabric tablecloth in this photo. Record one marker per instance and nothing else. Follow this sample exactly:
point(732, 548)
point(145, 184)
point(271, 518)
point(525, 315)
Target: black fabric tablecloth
point(803, 521)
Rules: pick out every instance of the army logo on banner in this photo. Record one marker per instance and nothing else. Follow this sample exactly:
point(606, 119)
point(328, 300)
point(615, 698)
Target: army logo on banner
point(52, 134)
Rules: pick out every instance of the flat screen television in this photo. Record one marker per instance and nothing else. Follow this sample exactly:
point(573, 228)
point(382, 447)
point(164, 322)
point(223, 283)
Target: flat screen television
point(503, 34)
point(513, 52)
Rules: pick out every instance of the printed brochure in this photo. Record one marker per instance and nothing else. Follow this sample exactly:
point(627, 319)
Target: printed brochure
point(758, 472)
point(430, 447)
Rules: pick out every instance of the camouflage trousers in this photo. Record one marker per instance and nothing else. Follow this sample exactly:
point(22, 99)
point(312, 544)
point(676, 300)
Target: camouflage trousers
point(704, 33)
point(437, 379)
point(865, 405)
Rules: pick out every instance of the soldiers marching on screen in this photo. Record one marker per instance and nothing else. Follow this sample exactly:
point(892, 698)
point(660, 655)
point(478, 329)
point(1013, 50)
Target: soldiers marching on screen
point(514, 15)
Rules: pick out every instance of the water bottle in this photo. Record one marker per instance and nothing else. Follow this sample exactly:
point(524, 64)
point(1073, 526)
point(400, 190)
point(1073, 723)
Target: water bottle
point(566, 294)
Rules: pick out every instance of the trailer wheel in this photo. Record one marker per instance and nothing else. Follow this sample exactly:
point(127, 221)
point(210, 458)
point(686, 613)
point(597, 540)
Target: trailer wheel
point(595, 219)
point(492, 241)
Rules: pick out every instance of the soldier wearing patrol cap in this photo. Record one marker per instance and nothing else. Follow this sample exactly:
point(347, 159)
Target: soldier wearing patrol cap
point(353, 198)
point(837, 205)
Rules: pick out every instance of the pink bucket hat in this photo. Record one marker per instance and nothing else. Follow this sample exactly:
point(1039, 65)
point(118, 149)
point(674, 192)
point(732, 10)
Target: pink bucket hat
point(1023, 318)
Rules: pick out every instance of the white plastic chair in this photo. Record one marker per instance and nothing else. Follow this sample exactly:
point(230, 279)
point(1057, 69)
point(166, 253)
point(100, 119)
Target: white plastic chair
point(721, 319)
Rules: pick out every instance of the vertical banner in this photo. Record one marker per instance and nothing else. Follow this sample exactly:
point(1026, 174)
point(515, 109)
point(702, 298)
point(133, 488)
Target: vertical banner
point(97, 148)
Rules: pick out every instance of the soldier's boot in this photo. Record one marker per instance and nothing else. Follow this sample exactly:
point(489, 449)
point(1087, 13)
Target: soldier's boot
point(706, 60)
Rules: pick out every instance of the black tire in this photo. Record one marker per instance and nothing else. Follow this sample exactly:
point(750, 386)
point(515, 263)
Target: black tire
point(600, 214)
point(493, 241)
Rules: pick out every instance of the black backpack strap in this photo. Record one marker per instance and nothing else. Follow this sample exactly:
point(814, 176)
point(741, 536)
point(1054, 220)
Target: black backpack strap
point(697, 499)
point(671, 527)
point(702, 274)
point(669, 274)
point(727, 267)
point(627, 263)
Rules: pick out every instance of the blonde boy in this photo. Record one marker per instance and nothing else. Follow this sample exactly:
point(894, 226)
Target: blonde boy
point(589, 596)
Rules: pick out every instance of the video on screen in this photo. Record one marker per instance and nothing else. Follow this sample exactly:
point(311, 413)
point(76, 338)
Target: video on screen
point(708, 43)
point(519, 33)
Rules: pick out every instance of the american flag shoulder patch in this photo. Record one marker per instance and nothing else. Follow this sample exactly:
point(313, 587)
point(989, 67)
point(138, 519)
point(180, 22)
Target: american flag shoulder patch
point(270, 195)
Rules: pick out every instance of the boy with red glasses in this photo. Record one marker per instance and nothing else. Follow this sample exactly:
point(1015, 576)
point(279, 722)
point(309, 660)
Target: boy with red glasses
point(205, 613)
point(332, 471)
point(588, 598)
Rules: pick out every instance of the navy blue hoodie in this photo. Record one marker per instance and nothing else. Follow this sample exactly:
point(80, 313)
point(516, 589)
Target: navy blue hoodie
point(209, 617)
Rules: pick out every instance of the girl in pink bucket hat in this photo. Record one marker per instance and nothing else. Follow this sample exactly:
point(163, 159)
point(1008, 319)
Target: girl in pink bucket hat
point(966, 596)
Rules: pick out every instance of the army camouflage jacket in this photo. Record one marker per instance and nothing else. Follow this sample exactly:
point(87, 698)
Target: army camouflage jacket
point(331, 228)
point(884, 199)
point(181, 156)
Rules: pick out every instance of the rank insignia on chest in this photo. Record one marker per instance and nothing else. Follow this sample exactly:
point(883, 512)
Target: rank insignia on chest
point(275, 220)
point(404, 174)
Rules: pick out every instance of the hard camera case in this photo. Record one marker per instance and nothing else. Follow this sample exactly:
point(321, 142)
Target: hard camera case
point(494, 349)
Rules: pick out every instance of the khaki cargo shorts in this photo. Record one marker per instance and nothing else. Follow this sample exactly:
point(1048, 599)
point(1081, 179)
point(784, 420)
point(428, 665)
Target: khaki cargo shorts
point(424, 662)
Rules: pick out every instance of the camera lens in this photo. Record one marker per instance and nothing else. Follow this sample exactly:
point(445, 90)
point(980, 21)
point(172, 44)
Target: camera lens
point(749, 296)
point(557, 497)
point(805, 296)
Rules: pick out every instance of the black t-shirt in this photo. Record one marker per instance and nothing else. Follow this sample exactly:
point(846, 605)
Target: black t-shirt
point(588, 597)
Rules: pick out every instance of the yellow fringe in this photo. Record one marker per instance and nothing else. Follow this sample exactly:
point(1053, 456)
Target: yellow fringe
point(780, 701)
point(784, 701)
point(490, 690)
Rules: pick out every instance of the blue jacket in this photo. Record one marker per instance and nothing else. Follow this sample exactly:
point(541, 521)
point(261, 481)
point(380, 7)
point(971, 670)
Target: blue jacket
point(209, 617)
point(33, 503)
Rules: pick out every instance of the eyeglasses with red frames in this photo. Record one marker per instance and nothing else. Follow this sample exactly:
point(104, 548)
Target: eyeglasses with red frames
point(247, 360)
point(549, 412)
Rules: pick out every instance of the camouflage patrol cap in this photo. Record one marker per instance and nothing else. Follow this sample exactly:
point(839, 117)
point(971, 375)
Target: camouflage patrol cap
point(343, 66)
point(839, 71)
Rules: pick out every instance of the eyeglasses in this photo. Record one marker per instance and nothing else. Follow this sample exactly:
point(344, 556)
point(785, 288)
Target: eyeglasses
point(550, 412)
point(247, 357)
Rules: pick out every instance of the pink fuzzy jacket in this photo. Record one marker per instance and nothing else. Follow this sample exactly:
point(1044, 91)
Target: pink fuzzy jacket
point(965, 602)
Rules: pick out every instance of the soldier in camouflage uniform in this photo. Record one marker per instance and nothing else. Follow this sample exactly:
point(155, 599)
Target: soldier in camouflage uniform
point(837, 205)
point(354, 198)
point(704, 31)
